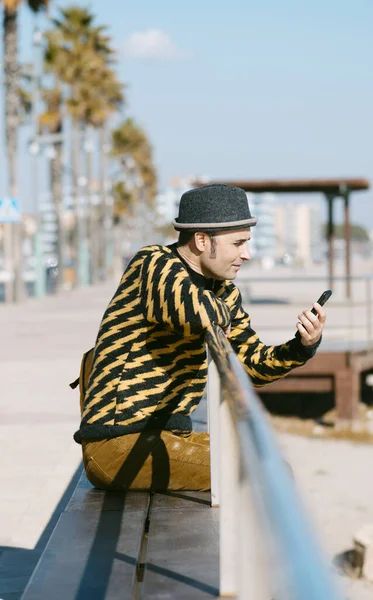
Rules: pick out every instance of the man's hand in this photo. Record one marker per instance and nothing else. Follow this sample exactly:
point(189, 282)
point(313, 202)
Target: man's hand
point(310, 326)
point(227, 331)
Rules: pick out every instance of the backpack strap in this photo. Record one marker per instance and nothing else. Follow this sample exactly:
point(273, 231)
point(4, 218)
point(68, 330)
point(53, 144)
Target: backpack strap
point(74, 384)
point(85, 371)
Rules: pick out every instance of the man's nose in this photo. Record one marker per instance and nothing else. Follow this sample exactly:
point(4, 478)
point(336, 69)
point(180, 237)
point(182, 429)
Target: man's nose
point(245, 254)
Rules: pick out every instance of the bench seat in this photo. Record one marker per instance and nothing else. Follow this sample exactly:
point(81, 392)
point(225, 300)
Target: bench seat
point(117, 546)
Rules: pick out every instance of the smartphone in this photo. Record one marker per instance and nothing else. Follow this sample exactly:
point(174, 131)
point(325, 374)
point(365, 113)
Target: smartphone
point(323, 298)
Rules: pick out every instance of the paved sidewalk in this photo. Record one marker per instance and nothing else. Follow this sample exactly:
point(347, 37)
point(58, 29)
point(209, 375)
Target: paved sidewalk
point(40, 351)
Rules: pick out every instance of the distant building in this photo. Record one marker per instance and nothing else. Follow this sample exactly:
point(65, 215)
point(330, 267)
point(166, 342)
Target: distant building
point(263, 235)
point(168, 200)
point(298, 232)
point(290, 230)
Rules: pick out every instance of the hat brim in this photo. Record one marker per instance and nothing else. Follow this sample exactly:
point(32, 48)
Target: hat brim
point(215, 226)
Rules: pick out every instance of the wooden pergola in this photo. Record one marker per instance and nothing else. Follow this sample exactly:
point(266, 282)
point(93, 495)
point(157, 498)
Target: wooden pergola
point(331, 189)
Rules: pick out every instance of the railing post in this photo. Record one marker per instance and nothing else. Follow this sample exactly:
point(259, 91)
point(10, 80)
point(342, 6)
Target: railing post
point(229, 504)
point(213, 416)
point(254, 582)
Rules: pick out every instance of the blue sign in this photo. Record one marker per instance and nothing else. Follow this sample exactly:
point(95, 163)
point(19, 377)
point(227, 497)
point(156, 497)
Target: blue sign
point(9, 210)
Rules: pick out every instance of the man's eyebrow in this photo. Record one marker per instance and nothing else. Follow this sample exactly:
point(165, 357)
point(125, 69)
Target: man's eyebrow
point(242, 240)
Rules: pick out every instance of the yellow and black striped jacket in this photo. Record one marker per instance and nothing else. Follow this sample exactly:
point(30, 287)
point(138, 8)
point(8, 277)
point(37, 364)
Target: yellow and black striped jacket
point(149, 366)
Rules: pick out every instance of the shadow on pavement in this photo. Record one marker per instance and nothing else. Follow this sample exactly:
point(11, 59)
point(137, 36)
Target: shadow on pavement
point(18, 564)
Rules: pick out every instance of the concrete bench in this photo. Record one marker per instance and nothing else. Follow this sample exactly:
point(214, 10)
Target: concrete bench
point(117, 546)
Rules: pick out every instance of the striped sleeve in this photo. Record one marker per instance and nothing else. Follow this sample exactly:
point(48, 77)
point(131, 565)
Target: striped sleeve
point(264, 364)
point(170, 298)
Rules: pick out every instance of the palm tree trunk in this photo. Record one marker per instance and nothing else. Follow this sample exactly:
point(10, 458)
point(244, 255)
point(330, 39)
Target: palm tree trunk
point(91, 212)
point(13, 233)
point(75, 194)
point(80, 234)
point(11, 93)
point(56, 186)
point(106, 212)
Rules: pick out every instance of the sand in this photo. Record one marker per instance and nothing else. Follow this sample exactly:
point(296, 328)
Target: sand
point(335, 480)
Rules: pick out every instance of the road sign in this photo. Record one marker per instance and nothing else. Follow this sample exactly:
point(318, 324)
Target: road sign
point(9, 210)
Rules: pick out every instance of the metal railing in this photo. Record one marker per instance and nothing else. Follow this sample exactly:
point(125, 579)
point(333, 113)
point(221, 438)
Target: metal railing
point(267, 549)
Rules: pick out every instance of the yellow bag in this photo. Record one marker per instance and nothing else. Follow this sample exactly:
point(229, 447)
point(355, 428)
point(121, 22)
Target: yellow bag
point(85, 371)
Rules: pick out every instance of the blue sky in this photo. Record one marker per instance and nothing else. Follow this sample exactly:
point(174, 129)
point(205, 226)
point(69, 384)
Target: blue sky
point(246, 89)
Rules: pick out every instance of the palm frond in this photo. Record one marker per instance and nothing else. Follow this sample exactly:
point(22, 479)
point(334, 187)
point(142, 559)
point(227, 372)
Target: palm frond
point(123, 199)
point(11, 6)
point(38, 5)
point(130, 140)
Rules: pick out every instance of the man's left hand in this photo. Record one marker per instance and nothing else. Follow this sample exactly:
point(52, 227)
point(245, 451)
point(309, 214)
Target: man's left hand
point(311, 326)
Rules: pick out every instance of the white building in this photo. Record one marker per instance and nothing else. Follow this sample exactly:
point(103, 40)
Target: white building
point(263, 235)
point(168, 200)
point(298, 232)
point(290, 228)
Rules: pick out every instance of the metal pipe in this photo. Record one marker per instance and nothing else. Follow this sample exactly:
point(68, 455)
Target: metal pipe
point(331, 238)
point(347, 232)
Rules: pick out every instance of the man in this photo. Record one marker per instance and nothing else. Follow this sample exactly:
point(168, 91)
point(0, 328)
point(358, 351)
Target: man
point(149, 367)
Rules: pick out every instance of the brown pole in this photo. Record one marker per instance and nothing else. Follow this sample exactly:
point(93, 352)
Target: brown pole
point(347, 232)
point(331, 237)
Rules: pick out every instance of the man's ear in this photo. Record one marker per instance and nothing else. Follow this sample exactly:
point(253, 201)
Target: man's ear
point(200, 240)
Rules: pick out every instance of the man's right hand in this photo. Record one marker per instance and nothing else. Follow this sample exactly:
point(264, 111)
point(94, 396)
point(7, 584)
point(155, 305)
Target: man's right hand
point(227, 331)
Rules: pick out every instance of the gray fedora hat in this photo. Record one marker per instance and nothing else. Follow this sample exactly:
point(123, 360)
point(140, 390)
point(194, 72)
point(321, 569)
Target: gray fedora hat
point(215, 206)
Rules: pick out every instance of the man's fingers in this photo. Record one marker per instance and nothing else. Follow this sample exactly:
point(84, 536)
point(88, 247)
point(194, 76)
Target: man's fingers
point(311, 317)
point(227, 331)
point(313, 322)
point(303, 331)
point(310, 326)
point(320, 312)
point(309, 321)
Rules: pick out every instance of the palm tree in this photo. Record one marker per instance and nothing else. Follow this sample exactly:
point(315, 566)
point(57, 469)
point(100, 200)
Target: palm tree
point(131, 147)
point(52, 121)
point(123, 201)
point(11, 79)
point(103, 97)
point(63, 58)
point(129, 140)
point(95, 99)
point(81, 57)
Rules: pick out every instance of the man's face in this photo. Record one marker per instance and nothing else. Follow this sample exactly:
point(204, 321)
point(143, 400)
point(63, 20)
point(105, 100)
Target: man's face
point(221, 258)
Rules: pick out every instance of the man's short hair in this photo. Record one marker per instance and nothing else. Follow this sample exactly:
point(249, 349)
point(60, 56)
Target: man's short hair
point(185, 236)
